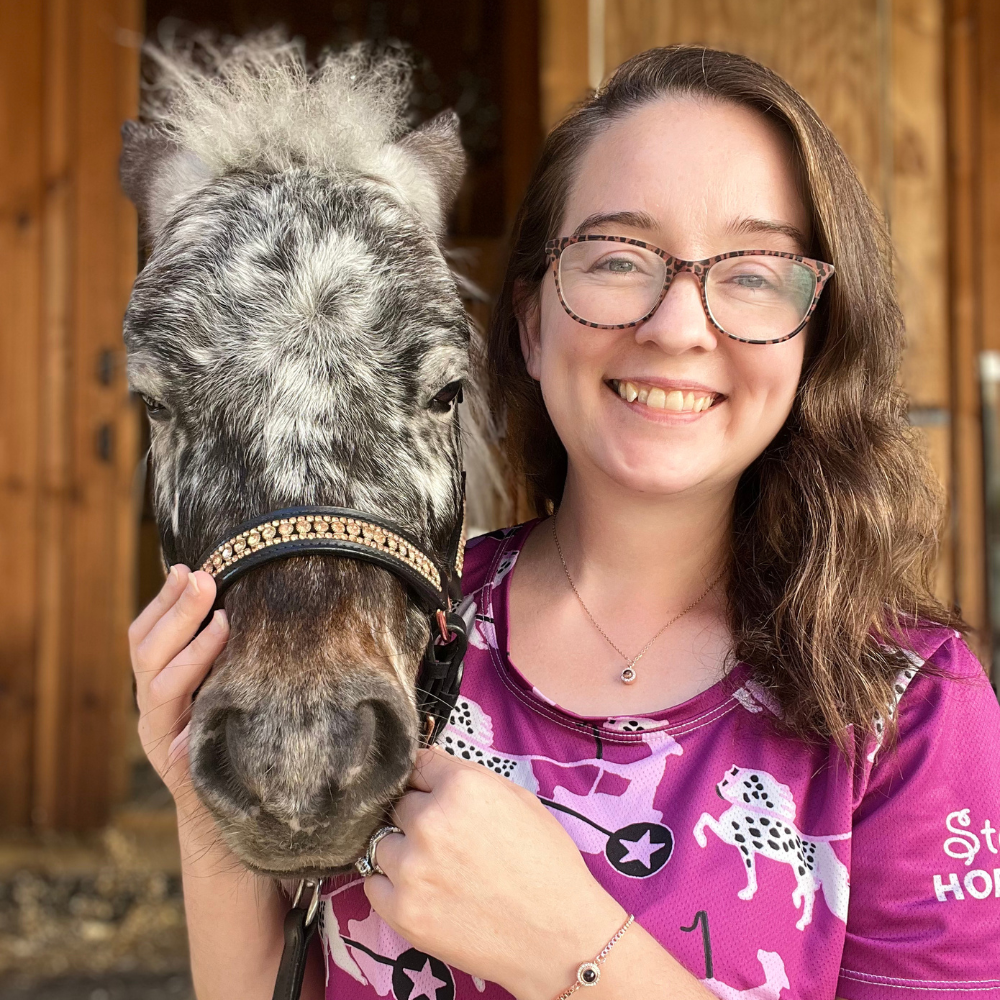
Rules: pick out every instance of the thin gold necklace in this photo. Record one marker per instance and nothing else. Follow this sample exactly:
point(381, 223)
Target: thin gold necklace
point(628, 675)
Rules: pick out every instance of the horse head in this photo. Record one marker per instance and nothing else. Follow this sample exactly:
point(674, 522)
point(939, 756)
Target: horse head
point(299, 339)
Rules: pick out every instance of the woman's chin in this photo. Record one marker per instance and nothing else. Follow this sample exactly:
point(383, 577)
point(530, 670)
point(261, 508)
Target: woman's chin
point(648, 475)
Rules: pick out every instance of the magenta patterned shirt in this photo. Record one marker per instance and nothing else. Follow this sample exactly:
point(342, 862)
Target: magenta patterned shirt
point(769, 868)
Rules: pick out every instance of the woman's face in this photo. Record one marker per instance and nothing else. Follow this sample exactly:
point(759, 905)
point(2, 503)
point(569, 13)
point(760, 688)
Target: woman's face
point(695, 178)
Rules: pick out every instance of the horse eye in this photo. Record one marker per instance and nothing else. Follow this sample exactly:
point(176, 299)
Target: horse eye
point(155, 410)
point(441, 403)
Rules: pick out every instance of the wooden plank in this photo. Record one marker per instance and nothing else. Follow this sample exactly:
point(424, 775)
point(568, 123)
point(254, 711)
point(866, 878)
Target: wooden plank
point(563, 57)
point(831, 52)
point(918, 197)
point(915, 160)
point(54, 416)
point(986, 30)
point(966, 297)
point(100, 570)
point(935, 429)
point(20, 293)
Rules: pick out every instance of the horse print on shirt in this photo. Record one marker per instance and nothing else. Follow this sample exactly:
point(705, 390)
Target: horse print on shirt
point(761, 820)
point(775, 981)
point(607, 807)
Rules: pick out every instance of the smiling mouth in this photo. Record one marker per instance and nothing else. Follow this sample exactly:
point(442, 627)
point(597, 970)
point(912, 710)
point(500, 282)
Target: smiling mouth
point(676, 400)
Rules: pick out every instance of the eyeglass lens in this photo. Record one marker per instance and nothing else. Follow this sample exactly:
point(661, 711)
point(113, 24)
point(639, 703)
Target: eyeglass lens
point(755, 298)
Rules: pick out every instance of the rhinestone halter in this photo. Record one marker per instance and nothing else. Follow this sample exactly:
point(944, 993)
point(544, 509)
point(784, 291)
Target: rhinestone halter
point(285, 530)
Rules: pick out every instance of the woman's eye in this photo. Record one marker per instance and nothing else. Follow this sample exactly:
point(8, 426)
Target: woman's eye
point(155, 410)
point(617, 265)
point(620, 266)
point(751, 280)
point(442, 402)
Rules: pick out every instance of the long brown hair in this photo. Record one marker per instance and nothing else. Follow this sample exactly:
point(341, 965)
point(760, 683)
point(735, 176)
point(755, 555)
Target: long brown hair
point(835, 524)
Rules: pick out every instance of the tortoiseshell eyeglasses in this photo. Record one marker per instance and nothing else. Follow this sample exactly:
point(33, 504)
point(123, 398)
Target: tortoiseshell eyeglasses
point(754, 296)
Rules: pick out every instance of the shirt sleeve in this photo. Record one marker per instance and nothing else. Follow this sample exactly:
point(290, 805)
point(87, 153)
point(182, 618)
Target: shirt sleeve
point(924, 914)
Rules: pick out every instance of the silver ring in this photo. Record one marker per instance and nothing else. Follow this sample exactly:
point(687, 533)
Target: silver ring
point(367, 865)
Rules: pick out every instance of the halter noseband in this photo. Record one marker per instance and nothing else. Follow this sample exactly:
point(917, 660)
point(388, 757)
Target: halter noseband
point(356, 534)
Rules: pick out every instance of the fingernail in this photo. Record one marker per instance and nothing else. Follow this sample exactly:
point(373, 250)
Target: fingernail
point(220, 621)
point(193, 584)
point(175, 573)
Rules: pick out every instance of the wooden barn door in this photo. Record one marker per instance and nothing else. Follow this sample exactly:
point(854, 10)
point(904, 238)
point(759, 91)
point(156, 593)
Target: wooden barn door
point(877, 73)
point(68, 432)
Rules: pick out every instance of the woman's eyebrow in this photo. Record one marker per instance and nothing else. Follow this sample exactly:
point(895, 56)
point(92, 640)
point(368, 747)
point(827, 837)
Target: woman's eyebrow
point(634, 220)
point(748, 226)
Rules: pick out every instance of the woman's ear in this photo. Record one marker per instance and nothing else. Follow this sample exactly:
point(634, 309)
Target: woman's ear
point(528, 312)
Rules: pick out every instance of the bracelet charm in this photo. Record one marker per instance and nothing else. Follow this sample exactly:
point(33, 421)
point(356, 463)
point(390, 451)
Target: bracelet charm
point(589, 974)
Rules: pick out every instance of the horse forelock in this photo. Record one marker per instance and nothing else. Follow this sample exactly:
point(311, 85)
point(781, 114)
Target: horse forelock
point(255, 103)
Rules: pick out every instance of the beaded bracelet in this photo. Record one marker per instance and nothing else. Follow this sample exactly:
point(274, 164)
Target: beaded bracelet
point(589, 974)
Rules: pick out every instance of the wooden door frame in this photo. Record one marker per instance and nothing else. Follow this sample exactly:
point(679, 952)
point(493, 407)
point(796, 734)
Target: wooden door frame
point(68, 447)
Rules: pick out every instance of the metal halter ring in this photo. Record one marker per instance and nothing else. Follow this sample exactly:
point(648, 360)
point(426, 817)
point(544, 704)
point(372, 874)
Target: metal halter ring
point(367, 865)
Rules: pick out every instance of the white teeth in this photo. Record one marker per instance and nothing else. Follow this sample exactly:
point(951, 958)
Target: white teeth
point(676, 400)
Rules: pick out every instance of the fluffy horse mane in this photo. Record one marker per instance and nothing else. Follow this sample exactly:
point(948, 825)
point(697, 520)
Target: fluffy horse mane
point(255, 103)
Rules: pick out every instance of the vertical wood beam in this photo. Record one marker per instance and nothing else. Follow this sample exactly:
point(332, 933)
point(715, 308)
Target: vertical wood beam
point(100, 516)
point(54, 415)
point(20, 319)
point(965, 295)
point(564, 55)
point(916, 199)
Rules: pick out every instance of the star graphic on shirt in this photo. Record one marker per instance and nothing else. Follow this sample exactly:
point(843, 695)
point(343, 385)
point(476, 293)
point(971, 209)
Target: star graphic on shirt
point(425, 983)
point(640, 850)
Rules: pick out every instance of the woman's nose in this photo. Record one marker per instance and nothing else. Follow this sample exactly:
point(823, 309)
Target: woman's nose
point(680, 323)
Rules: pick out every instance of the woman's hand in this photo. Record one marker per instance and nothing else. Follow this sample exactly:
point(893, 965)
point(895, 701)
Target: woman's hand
point(485, 879)
point(169, 664)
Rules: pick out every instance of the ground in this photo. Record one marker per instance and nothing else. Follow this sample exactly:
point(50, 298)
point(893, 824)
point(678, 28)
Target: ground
point(139, 986)
point(96, 917)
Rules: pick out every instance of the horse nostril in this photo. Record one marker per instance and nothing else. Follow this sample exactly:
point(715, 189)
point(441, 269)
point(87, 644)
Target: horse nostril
point(214, 765)
point(374, 753)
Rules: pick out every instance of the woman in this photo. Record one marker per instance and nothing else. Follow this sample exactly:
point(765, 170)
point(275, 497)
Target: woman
point(714, 670)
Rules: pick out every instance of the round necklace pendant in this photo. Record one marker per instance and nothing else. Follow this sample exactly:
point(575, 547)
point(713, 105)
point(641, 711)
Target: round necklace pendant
point(628, 675)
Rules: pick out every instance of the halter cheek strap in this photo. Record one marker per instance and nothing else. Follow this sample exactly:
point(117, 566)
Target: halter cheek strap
point(355, 534)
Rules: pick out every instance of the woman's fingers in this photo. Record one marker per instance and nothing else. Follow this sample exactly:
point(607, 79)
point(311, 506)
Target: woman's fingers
point(379, 890)
point(172, 588)
point(175, 628)
point(180, 678)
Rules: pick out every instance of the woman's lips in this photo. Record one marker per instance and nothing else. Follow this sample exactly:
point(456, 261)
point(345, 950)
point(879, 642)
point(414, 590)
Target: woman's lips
point(687, 400)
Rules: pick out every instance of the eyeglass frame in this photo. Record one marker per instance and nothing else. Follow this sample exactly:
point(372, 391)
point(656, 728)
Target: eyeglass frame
point(677, 265)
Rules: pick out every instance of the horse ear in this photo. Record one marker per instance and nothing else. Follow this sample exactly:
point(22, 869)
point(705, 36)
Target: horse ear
point(157, 175)
point(430, 170)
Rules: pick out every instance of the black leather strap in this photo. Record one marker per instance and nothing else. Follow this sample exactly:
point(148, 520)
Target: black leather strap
point(299, 931)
